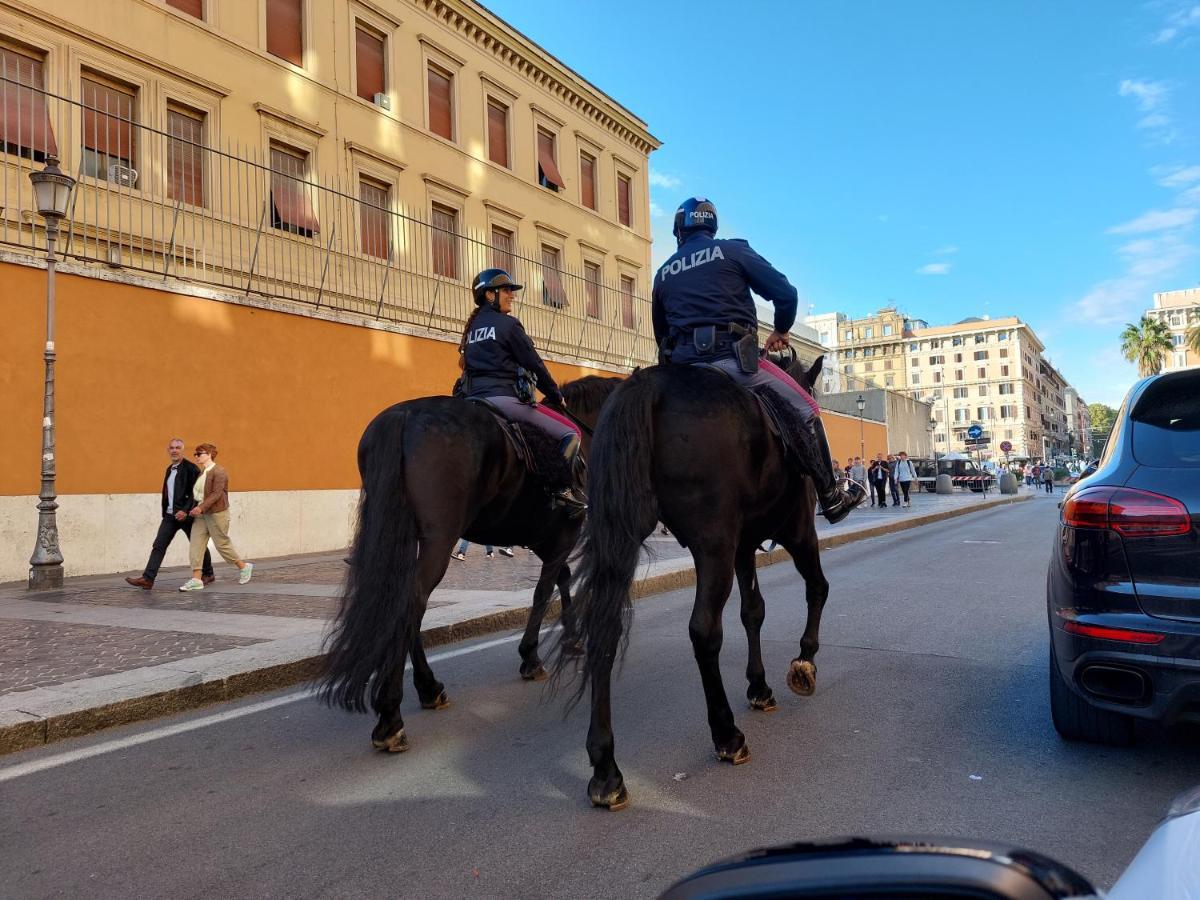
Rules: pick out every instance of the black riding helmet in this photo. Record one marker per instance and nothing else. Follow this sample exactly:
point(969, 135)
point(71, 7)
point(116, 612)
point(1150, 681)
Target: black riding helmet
point(490, 280)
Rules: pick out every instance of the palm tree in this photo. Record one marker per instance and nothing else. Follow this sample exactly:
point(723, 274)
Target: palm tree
point(1192, 338)
point(1146, 344)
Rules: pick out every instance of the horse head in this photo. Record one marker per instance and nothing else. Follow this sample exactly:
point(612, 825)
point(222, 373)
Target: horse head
point(805, 376)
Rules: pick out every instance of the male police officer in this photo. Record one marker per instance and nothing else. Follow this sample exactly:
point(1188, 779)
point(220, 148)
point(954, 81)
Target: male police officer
point(704, 315)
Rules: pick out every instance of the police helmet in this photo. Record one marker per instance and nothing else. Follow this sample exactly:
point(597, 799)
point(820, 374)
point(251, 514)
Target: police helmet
point(490, 280)
point(694, 213)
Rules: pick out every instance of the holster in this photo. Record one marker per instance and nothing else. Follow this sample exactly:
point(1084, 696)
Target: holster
point(704, 338)
point(745, 349)
point(524, 386)
point(461, 387)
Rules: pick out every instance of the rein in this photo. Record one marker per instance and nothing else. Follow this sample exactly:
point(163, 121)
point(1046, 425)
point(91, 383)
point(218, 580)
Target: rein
point(562, 409)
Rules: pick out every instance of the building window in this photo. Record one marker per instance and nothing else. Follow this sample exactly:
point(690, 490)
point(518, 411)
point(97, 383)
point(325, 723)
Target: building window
point(915, 377)
point(553, 292)
point(1004, 371)
point(956, 342)
point(1008, 388)
point(980, 354)
point(1177, 340)
point(1004, 353)
point(958, 357)
point(983, 390)
point(627, 317)
point(185, 155)
point(441, 101)
point(960, 393)
point(25, 128)
point(962, 415)
point(285, 30)
point(624, 200)
point(587, 180)
point(937, 377)
point(497, 131)
point(369, 55)
point(191, 7)
point(869, 367)
point(444, 222)
point(849, 334)
point(375, 218)
point(980, 338)
point(548, 175)
point(868, 332)
point(887, 330)
point(591, 288)
point(983, 413)
point(1003, 336)
point(109, 138)
point(888, 381)
point(502, 250)
point(937, 360)
point(982, 372)
point(958, 374)
point(915, 362)
point(291, 201)
point(1180, 360)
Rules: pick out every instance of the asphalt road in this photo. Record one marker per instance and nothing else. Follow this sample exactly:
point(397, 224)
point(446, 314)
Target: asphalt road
point(931, 716)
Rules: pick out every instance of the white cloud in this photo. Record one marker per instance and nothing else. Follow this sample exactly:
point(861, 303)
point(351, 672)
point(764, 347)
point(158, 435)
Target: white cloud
point(656, 210)
point(663, 180)
point(934, 269)
point(1156, 220)
point(945, 251)
point(1148, 262)
point(1178, 21)
point(1191, 195)
point(1178, 176)
point(1150, 95)
point(881, 218)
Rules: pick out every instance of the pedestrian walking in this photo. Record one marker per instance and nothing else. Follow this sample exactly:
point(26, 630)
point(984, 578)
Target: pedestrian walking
point(211, 515)
point(893, 486)
point(905, 476)
point(858, 474)
point(489, 551)
point(176, 500)
point(877, 477)
point(1048, 478)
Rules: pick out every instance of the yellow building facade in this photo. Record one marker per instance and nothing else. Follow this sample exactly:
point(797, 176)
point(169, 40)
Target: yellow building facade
point(1179, 311)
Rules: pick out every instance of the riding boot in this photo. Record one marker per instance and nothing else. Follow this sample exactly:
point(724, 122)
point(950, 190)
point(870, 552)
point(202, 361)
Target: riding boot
point(837, 499)
point(568, 493)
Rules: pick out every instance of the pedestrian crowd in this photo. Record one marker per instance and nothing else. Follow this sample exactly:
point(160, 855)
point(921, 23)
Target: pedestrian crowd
point(882, 477)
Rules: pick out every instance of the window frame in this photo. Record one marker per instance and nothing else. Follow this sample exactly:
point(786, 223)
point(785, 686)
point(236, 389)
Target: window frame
point(491, 99)
point(586, 153)
point(624, 176)
point(437, 205)
point(188, 111)
point(387, 210)
point(588, 284)
point(544, 180)
point(305, 33)
point(278, 222)
point(43, 55)
point(372, 29)
point(96, 72)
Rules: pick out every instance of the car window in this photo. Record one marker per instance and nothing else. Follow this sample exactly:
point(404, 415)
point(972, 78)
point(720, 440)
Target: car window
point(1166, 422)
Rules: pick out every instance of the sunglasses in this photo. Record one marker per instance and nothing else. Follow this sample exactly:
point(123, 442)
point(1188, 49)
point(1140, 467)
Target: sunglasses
point(200, 453)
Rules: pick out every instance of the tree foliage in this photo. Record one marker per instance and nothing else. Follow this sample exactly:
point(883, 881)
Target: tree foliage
point(1102, 417)
point(1192, 338)
point(1146, 344)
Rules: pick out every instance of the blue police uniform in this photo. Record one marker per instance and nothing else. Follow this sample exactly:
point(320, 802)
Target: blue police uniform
point(494, 346)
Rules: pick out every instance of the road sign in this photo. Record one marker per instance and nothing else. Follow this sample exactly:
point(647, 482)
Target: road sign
point(1006, 446)
point(977, 442)
point(975, 431)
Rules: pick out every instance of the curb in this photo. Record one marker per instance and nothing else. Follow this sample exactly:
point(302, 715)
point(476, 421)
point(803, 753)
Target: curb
point(29, 732)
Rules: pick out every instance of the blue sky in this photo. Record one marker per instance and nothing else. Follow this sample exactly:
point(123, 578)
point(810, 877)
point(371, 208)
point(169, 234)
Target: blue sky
point(1039, 159)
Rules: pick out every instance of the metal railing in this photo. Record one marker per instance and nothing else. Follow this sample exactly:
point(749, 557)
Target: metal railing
point(164, 203)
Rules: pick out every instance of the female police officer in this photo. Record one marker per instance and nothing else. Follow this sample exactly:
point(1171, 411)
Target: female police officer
point(498, 359)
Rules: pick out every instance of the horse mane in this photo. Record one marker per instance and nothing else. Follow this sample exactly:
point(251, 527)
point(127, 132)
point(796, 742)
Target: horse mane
point(586, 395)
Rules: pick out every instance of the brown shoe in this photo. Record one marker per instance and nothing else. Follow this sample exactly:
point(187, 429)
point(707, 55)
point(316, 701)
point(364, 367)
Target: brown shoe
point(208, 579)
point(141, 581)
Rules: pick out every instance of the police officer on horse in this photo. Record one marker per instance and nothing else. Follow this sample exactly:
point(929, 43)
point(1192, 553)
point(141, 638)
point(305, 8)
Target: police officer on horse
point(501, 366)
point(704, 315)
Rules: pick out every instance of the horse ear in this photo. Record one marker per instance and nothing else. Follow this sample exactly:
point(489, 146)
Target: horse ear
point(814, 371)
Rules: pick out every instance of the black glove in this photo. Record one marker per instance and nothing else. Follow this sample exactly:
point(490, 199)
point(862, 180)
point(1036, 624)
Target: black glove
point(554, 398)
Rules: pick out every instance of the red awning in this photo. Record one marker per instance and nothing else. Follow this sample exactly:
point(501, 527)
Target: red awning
point(549, 169)
point(292, 204)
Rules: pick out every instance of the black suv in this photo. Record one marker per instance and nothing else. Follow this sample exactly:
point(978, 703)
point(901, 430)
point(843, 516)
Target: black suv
point(1123, 588)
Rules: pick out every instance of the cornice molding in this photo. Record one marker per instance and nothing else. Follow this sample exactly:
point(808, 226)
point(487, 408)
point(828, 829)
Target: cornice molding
point(279, 115)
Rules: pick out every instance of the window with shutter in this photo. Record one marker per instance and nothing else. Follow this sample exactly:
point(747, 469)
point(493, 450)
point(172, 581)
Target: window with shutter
point(497, 132)
point(548, 175)
point(624, 200)
point(291, 195)
point(191, 7)
point(109, 138)
point(627, 316)
point(587, 180)
point(285, 30)
point(368, 62)
point(502, 251)
point(25, 129)
point(374, 219)
point(441, 102)
point(553, 292)
point(444, 222)
point(186, 158)
point(591, 287)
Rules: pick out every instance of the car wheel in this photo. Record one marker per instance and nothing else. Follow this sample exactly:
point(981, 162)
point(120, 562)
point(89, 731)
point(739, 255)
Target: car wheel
point(1077, 720)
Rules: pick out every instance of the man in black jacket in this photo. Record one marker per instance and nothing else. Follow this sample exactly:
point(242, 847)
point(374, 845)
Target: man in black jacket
point(177, 500)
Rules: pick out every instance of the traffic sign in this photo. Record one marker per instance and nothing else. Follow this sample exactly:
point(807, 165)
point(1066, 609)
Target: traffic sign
point(1006, 446)
point(975, 431)
point(977, 442)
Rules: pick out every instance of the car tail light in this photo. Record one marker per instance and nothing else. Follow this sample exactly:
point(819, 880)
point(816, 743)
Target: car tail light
point(1113, 634)
point(1130, 513)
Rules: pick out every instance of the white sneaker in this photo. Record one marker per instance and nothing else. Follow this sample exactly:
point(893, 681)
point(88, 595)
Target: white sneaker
point(458, 556)
point(192, 584)
point(491, 555)
point(506, 551)
point(244, 575)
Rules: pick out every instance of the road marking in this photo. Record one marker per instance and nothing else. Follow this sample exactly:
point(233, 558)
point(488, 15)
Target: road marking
point(982, 542)
point(9, 773)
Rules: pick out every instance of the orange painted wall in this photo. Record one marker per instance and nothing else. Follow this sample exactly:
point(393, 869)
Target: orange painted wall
point(284, 397)
point(845, 440)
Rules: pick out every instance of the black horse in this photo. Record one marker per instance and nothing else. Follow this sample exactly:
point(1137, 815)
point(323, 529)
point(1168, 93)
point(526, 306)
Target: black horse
point(433, 470)
point(687, 446)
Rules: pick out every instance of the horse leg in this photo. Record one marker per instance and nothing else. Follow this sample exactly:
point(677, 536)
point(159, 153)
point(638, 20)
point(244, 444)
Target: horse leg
point(607, 785)
point(754, 611)
point(802, 674)
point(553, 563)
point(389, 732)
point(571, 644)
point(714, 579)
point(431, 692)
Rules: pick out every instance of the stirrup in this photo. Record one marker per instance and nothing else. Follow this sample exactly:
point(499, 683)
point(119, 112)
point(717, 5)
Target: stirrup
point(567, 499)
point(850, 495)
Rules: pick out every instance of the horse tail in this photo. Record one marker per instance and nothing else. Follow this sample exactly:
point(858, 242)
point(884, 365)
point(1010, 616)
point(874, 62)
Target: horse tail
point(622, 511)
point(372, 630)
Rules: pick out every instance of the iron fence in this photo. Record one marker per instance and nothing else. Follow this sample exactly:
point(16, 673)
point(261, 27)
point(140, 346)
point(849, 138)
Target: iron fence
point(165, 203)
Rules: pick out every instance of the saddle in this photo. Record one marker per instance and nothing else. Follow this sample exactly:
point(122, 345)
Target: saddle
point(533, 446)
point(782, 419)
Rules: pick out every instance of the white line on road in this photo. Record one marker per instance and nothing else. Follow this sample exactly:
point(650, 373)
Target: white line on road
point(9, 773)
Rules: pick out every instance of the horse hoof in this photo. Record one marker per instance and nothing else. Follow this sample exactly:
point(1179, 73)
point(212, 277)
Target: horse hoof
point(765, 704)
point(613, 800)
point(396, 743)
point(537, 674)
point(735, 757)
point(802, 677)
point(441, 701)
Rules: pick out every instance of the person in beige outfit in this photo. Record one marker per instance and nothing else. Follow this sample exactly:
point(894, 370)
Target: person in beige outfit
point(211, 518)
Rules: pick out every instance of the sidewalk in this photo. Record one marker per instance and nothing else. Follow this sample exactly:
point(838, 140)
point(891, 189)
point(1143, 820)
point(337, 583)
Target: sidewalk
point(100, 653)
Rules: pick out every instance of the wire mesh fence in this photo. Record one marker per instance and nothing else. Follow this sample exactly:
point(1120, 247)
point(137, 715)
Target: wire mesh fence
point(165, 203)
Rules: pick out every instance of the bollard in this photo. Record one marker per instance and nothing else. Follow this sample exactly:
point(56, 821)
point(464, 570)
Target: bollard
point(944, 484)
point(1008, 483)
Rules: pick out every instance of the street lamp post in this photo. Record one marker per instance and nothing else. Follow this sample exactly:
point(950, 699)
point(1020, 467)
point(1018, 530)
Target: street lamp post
point(932, 446)
point(52, 192)
point(862, 440)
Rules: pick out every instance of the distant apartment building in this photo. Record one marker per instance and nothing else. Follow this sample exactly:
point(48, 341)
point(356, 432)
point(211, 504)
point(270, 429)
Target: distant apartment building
point(1079, 424)
point(1052, 391)
point(872, 350)
point(1178, 310)
point(827, 326)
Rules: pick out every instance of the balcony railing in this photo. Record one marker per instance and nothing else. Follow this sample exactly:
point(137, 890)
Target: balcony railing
point(166, 204)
